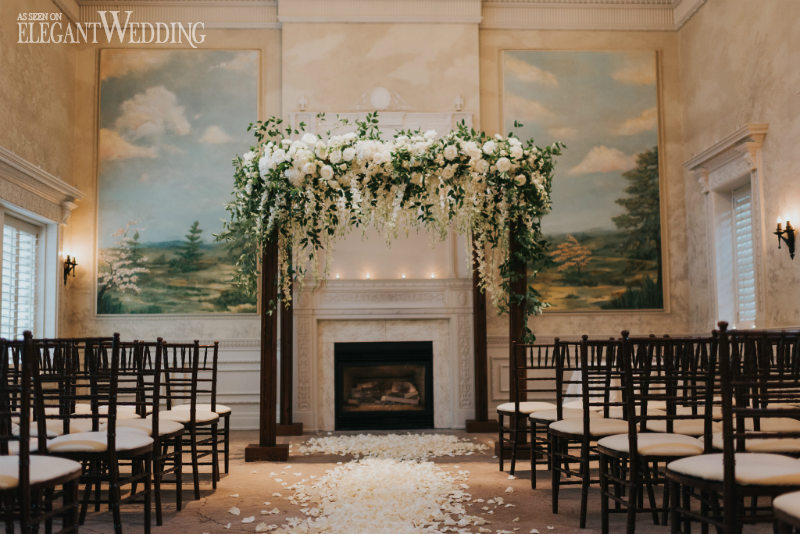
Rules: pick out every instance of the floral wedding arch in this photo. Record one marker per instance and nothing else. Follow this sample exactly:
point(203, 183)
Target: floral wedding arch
point(296, 193)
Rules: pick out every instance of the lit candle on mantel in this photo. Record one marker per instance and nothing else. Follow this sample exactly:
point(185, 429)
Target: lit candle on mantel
point(366, 276)
point(433, 275)
point(337, 276)
point(403, 276)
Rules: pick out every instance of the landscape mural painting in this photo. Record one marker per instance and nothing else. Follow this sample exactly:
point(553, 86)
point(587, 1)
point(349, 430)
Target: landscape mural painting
point(170, 124)
point(604, 229)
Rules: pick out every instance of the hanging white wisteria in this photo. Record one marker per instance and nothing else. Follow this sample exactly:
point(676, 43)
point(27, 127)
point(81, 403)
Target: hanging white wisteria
point(307, 192)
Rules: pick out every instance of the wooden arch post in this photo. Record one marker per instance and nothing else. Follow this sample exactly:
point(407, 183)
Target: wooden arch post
point(481, 423)
point(267, 447)
point(285, 425)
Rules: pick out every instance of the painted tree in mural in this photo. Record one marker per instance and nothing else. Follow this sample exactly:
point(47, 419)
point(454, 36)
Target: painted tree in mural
point(642, 226)
point(571, 257)
point(190, 252)
point(122, 267)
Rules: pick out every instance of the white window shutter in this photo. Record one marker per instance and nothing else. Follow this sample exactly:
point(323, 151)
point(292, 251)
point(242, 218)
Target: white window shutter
point(744, 262)
point(20, 263)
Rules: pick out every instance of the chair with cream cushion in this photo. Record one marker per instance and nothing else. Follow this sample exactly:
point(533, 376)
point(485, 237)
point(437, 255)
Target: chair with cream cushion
point(92, 377)
point(181, 371)
point(573, 441)
point(207, 382)
point(787, 513)
point(654, 372)
point(531, 378)
point(29, 483)
point(758, 379)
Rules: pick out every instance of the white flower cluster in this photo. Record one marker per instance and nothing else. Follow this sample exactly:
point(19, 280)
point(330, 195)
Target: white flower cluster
point(307, 191)
point(384, 496)
point(396, 446)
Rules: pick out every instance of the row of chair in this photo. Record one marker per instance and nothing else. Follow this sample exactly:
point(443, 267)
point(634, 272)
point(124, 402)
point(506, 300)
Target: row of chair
point(675, 415)
point(123, 412)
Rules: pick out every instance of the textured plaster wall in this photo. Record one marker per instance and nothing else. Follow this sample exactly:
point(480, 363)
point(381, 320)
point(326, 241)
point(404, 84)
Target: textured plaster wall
point(739, 64)
point(36, 94)
point(674, 319)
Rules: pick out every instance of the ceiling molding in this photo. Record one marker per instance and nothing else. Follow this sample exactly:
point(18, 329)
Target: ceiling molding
point(226, 14)
point(378, 11)
point(617, 15)
point(683, 11)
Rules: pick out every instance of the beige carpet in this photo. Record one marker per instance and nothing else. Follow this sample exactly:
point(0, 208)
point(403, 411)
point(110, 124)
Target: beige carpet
point(250, 485)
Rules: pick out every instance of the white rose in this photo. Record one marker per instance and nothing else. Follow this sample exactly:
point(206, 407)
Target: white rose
point(450, 152)
point(416, 178)
point(482, 166)
point(348, 154)
point(516, 151)
point(448, 172)
point(279, 156)
point(335, 157)
point(321, 151)
point(334, 184)
point(520, 180)
point(488, 147)
point(326, 172)
point(503, 164)
point(309, 168)
point(309, 139)
point(430, 134)
point(345, 179)
point(248, 157)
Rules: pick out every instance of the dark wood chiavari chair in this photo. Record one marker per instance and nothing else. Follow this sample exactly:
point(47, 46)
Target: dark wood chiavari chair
point(760, 387)
point(530, 383)
point(181, 362)
point(566, 359)
point(787, 513)
point(573, 440)
point(29, 482)
point(659, 370)
point(91, 374)
point(207, 381)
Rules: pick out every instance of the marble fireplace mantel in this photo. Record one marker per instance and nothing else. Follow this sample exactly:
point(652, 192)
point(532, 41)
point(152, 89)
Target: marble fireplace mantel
point(384, 310)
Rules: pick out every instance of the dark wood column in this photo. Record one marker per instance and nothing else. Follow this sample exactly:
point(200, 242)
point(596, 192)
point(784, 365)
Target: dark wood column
point(516, 308)
point(285, 425)
point(267, 447)
point(481, 423)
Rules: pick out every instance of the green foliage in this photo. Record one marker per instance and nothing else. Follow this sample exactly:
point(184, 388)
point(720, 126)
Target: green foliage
point(304, 193)
point(649, 295)
point(107, 303)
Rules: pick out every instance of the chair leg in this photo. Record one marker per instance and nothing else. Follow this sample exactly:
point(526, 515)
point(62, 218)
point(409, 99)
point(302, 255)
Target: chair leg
point(586, 477)
point(633, 498)
point(674, 510)
point(604, 513)
point(148, 505)
point(513, 433)
point(533, 454)
point(214, 456)
point(114, 495)
point(227, 442)
point(500, 444)
point(195, 461)
point(179, 472)
point(157, 470)
point(555, 473)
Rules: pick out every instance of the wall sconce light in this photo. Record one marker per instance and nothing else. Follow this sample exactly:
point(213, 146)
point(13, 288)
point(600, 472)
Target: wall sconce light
point(458, 103)
point(786, 235)
point(69, 267)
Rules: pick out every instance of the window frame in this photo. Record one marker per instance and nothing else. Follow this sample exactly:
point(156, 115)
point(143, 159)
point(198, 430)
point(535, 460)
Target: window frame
point(46, 306)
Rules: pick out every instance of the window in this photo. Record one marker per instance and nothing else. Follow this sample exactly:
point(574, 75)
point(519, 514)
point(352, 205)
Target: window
point(20, 279)
point(743, 261)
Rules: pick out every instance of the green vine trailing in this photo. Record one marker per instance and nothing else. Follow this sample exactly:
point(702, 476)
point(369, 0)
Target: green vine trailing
point(309, 191)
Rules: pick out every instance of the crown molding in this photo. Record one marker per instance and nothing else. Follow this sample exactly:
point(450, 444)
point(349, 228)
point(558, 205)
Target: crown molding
point(223, 14)
point(378, 11)
point(38, 190)
point(618, 15)
point(683, 11)
point(749, 136)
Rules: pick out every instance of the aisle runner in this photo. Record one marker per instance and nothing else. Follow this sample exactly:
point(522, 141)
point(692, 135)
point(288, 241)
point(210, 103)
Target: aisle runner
point(391, 490)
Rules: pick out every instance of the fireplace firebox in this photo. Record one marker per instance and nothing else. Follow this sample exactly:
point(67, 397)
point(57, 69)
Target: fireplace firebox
point(384, 385)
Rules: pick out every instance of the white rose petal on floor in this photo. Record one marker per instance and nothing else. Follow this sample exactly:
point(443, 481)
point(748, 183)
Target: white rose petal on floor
point(397, 446)
point(380, 495)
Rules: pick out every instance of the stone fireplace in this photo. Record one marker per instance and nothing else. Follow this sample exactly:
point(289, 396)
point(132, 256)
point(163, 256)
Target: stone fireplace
point(435, 312)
